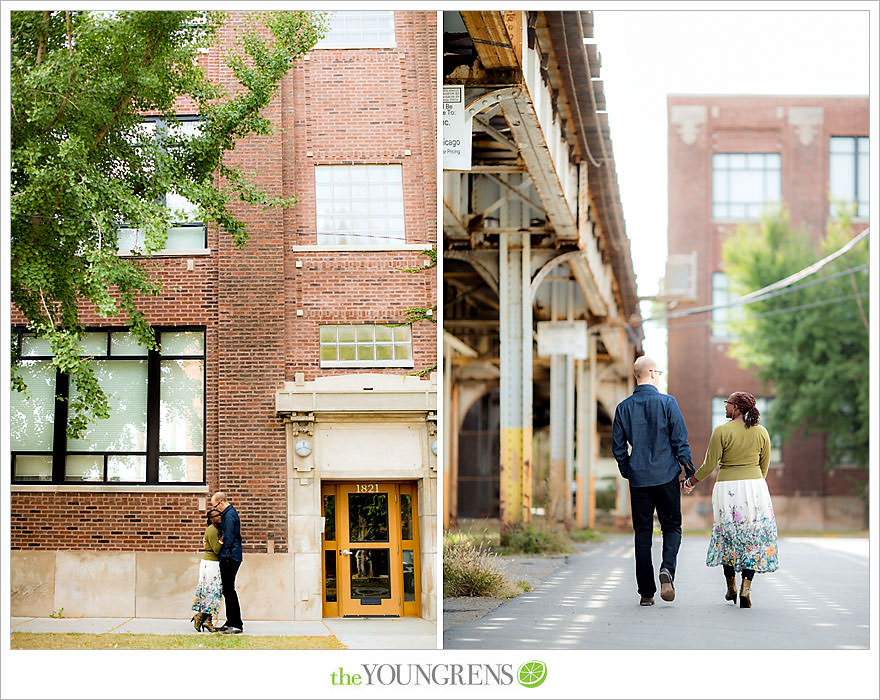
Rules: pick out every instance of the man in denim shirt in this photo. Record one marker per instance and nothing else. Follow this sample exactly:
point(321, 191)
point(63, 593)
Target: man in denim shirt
point(230, 561)
point(652, 425)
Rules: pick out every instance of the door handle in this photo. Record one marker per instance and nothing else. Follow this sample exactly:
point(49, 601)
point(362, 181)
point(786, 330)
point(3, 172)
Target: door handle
point(345, 552)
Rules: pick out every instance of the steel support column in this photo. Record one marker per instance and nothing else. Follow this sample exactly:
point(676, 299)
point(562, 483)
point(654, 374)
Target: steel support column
point(516, 379)
point(561, 414)
point(587, 437)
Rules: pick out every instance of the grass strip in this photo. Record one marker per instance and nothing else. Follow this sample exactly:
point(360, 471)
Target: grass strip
point(127, 640)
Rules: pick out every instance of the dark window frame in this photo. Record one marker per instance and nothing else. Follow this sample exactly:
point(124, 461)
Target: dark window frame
point(161, 127)
point(154, 359)
point(723, 199)
point(857, 193)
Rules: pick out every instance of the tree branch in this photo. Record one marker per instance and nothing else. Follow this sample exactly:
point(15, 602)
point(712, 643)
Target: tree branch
point(125, 97)
point(46, 308)
point(70, 73)
point(41, 47)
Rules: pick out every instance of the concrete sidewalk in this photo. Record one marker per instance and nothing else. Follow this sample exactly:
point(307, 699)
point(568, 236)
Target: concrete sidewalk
point(354, 633)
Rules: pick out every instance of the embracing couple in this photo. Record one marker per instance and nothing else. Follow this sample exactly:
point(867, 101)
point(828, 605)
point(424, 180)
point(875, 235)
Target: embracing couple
point(650, 444)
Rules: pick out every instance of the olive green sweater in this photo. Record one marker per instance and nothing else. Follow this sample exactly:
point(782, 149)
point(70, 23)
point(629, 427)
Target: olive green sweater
point(212, 543)
point(744, 453)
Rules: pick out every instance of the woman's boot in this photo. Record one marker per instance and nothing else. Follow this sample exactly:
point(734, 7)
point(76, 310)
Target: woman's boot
point(731, 588)
point(208, 623)
point(745, 600)
point(197, 620)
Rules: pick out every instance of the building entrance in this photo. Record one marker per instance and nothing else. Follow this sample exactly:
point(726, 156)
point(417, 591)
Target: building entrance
point(370, 549)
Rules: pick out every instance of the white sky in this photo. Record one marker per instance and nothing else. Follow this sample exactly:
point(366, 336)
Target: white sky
point(649, 54)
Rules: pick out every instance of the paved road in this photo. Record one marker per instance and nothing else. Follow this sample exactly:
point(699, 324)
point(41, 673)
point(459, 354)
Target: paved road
point(818, 599)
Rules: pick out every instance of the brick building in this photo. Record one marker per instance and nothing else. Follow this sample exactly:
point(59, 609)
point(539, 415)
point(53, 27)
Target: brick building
point(284, 376)
point(729, 158)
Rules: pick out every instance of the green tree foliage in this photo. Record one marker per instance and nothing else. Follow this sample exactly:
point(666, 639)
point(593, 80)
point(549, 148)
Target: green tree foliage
point(811, 343)
point(82, 163)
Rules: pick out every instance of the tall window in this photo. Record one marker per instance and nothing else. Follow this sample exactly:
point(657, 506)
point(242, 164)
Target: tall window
point(722, 315)
point(156, 430)
point(763, 405)
point(744, 184)
point(366, 346)
point(359, 204)
point(187, 231)
point(848, 175)
point(359, 29)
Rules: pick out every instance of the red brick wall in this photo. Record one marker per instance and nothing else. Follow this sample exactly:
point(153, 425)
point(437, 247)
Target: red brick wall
point(359, 106)
point(699, 366)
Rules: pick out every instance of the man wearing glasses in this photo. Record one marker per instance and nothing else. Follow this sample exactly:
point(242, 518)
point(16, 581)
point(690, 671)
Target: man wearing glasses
point(649, 442)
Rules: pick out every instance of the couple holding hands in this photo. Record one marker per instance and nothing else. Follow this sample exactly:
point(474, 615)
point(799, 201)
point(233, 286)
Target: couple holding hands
point(649, 442)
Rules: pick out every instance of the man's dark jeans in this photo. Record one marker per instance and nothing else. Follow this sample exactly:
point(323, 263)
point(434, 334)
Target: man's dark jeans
point(666, 498)
point(228, 570)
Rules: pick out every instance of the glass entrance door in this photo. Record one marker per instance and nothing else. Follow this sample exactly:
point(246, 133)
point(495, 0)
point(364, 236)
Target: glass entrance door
point(368, 572)
point(370, 549)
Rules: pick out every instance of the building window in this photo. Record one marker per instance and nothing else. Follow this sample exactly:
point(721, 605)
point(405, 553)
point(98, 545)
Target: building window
point(187, 231)
point(359, 29)
point(722, 315)
point(156, 430)
point(359, 204)
point(366, 346)
point(848, 175)
point(763, 405)
point(745, 184)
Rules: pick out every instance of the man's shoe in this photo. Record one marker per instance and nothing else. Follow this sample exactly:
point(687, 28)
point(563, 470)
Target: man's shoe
point(231, 630)
point(645, 601)
point(222, 628)
point(667, 590)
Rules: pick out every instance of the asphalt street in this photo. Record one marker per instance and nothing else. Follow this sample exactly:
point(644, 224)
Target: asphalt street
point(817, 599)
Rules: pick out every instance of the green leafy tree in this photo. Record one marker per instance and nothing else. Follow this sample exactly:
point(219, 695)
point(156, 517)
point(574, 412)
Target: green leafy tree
point(810, 343)
point(82, 162)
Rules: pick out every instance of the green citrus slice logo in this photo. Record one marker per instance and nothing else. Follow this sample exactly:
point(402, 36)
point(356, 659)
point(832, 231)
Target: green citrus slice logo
point(532, 673)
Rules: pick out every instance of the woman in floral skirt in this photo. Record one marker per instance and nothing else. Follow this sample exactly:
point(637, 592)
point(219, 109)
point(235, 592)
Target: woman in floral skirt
point(744, 536)
point(209, 589)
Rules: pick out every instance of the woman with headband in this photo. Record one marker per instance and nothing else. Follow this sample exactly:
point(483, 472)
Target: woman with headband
point(744, 535)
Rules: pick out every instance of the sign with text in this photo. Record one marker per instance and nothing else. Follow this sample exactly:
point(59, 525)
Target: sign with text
point(456, 130)
point(562, 338)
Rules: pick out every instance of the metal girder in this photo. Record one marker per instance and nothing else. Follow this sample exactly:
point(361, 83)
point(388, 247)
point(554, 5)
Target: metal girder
point(582, 274)
point(488, 274)
point(484, 126)
point(539, 159)
point(516, 191)
point(451, 222)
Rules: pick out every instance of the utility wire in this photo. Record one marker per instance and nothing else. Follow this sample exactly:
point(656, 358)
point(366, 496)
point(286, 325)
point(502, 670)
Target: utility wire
point(758, 294)
point(772, 295)
point(775, 312)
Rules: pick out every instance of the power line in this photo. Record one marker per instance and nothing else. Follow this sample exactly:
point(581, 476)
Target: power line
point(763, 293)
point(739, 303)
point(774, 312)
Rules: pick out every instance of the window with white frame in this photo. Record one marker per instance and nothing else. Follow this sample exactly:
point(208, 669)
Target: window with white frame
point(366, 345)
point(745, 184)
point(764, 406)
point(359, 29)
point(848, 176)
point(722, 314)
point(187, 231)
point(359, 204)
point(156, 430)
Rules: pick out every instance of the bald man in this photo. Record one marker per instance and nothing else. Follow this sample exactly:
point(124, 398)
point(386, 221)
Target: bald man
point(649, 442)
